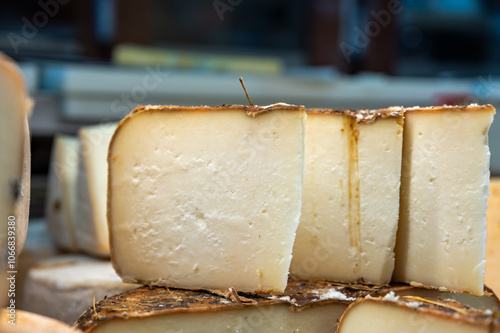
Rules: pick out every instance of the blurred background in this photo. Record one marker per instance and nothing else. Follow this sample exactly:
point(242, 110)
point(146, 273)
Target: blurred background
point(91, 61)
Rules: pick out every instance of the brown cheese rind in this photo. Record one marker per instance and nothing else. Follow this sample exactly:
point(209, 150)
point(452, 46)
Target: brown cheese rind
point(156, 301)
point(437, 307)
point(364, 115)
point(463, 108)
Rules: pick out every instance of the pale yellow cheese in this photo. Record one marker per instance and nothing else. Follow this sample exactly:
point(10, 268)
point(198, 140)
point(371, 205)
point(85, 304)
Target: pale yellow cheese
point(91, 224)
point(414, 315)
point(60, 206)
point(445, 177)
point(27, 322)
point(206, 197)
point(351, 196)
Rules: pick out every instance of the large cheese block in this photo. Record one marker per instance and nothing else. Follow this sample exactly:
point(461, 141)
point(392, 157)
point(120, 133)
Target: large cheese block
point(412, 314)
point(492, 268)
point(60, 206)
point(206, 197)
point(350, 205)
point(25, 322)
point(63, 286)
point(445, 176)
point(303, 307)
point(15, 107)
point(91, 224)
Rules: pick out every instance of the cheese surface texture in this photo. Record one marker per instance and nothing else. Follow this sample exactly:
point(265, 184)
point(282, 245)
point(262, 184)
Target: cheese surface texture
point(63, 286)
point(415, 314)
point(445, 176)
point(61, 197)
point(206, 197)
point(350, 204)
point(91, 222)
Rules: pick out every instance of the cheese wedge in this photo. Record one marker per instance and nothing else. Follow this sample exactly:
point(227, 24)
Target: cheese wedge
point(26, 322)
point(63, 286)
point(15, 108)
point(492, 268)
point(445, 177)
point(91, 223)
point(303, 307)
point(206, 197)
point(393, 314)
point(487, 302)
point(61, 195)
point(350, 204)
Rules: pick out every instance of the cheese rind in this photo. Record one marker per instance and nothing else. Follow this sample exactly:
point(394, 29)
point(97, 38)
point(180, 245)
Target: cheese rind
point(15, 166)
point(206, 197)
point(61, 196)
point(415, 314)
point(303, 307)
point(63, 286)
point(351, 195)
point(92, 181)
point(15, 148)
point(445, 177)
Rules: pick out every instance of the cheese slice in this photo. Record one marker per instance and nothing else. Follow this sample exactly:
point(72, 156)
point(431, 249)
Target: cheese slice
point(303, 307)
point(15, 107)
point(492, 268)
point(392, 314)
point(206, 197)
point(26, 322)
point(445, 176)
point(91, 223)
point(350, 204)
point(63, 286)
point(60, 206)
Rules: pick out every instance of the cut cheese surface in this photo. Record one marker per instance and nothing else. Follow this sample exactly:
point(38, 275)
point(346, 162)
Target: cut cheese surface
point(26, 322)
point(203, 197)
point(351, 195)
point(492, 268)
point(91, 222)
point(445, 176)
point(415, 314)
point(303, 307)
point(63, 286)
point(61, 197)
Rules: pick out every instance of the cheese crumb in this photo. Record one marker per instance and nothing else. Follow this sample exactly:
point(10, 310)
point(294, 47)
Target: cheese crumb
point(391, 297)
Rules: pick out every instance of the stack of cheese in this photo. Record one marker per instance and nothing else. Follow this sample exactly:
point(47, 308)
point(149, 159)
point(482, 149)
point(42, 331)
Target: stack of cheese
point(76, 200)
point(210, 198)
